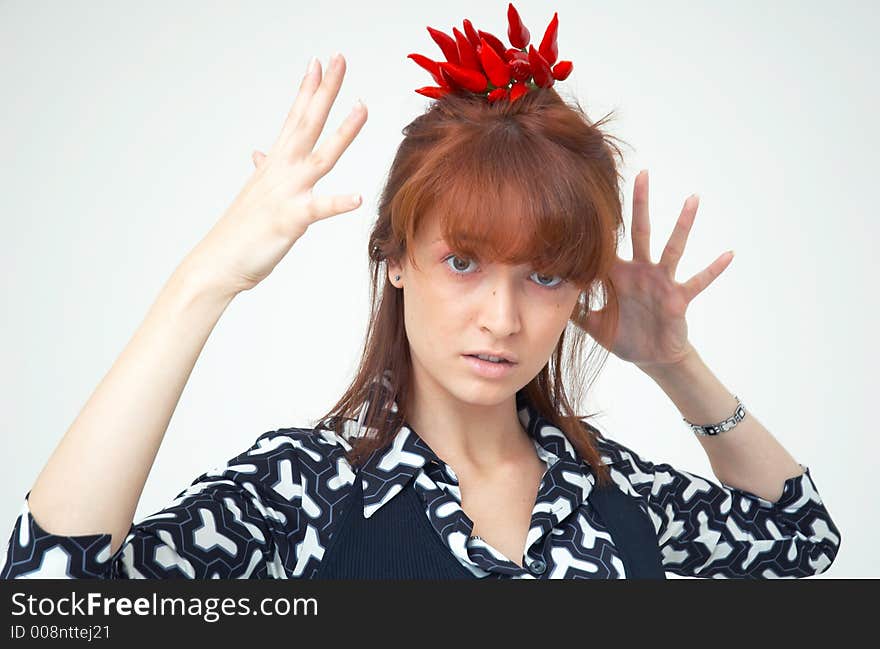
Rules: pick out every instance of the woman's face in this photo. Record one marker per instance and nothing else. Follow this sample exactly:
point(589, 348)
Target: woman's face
point(454, 306)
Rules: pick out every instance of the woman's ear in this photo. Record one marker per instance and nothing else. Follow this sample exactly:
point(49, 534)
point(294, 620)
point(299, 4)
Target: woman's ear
point(395, 273)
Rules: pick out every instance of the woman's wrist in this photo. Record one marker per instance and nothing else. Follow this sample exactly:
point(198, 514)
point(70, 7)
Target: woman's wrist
point(198, 282)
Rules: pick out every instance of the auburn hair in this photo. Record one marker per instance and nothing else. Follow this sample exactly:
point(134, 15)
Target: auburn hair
point(527, 182)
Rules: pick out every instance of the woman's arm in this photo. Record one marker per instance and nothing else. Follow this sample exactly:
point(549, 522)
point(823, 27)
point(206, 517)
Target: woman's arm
point(93, 480)
point(747, 456)
point(238, 521)
point(706, 529)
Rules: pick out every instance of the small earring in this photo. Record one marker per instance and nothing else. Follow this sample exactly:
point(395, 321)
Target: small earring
point(397, 278)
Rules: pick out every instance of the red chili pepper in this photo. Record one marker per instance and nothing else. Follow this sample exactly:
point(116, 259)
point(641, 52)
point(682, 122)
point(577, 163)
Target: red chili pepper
point(496, 69)
point(449, 82)
point(446, 43)
point(466, 54)
point(561, 70)
point(476, 60)
point(429, 65)
point(469, 79)
point(516, 31)
point(540, 68)
point(520, 69)
point(517, 90)
point(548, 48)
point(432, 91)
point(495, 95)
point(495, 42)
point(471, 33)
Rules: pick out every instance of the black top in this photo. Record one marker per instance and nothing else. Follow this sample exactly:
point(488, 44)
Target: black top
point(274, 510)
point(398, 541)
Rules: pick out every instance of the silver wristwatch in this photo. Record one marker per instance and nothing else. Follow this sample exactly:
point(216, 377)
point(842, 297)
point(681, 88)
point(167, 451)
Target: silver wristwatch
point(720, 427)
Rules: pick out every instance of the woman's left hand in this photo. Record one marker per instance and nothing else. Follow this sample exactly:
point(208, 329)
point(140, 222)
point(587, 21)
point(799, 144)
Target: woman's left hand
point(652, 331)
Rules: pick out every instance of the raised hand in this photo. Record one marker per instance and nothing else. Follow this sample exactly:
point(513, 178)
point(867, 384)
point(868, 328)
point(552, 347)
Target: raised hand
point(276, 205)
point(652, 330)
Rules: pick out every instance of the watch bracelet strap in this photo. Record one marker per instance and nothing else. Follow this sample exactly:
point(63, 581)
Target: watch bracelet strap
point(722, 426)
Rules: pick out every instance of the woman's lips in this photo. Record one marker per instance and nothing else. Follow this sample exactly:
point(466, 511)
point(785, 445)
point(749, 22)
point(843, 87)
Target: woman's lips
point(488, 369)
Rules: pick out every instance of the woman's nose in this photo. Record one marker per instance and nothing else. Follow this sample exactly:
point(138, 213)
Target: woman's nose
point(499, 310)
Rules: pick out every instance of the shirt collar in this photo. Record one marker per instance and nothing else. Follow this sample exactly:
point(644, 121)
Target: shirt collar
point(388, 470)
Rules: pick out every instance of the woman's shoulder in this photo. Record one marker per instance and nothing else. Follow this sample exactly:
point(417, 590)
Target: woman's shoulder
point(612, 451)
point(317, 440)
point(280, 454)
point(315, 443)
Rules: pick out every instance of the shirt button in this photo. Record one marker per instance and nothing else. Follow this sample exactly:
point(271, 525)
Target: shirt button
point(537, 567)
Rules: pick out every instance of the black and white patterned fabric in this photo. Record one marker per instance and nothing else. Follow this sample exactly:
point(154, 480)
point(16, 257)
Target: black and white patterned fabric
point(271, 511)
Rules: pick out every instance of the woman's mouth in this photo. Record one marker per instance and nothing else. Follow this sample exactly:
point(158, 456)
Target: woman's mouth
point(487, 368)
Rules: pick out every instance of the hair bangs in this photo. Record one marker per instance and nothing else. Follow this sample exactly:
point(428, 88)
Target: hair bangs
point(502, 199)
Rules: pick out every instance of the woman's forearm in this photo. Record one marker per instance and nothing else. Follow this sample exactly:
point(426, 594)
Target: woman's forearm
point(94, 478)
point(747, 456)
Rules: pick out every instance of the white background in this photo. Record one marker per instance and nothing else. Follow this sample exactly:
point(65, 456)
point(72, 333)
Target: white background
point(128, 128)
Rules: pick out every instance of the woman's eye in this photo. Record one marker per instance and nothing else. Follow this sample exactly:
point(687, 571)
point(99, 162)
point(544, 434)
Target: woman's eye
point(550, 278)
point(454, 266)
point(458, 270)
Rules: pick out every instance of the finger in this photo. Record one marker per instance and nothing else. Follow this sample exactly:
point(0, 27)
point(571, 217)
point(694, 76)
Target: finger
point(696, 284)
point(321, 207)
point(258, 157)
point(641, 226)
point(302, 139)
point(327, 155)
point(596, 325)
point(307, 87)
point(674, 248)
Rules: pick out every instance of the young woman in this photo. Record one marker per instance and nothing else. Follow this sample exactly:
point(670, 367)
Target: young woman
point(456, 451)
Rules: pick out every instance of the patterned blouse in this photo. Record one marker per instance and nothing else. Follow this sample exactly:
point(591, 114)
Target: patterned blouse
point(271, 511)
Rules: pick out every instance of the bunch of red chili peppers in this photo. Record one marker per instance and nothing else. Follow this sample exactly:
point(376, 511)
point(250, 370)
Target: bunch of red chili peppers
point(478, 62)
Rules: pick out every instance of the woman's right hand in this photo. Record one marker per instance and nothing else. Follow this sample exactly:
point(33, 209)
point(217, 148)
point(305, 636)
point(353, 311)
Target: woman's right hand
point(276, 205)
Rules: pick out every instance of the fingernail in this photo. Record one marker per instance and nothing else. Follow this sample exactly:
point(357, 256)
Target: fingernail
point(311, 66)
